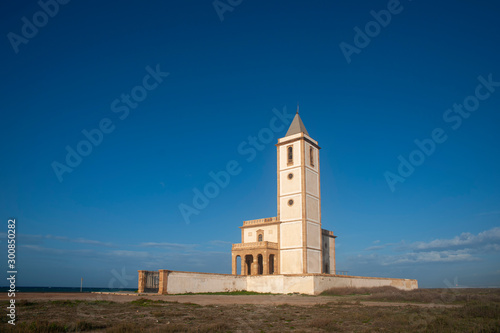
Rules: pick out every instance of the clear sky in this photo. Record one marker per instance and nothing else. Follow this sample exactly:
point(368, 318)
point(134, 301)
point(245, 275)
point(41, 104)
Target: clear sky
point(170, 91)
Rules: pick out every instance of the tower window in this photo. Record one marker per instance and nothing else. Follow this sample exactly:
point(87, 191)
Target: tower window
point(290, 155)
point(290, 202)
point(311, 156)
point(260, 238)
point(290, 175)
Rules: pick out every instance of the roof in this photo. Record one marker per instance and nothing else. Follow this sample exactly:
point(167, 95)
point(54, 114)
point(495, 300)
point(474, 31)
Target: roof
point(297, 126)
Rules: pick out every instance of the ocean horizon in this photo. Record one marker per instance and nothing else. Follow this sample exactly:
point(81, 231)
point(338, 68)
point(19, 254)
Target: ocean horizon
point(65, 289)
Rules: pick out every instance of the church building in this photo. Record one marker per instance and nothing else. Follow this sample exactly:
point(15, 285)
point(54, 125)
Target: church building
point(287, 253)
point(292, 242)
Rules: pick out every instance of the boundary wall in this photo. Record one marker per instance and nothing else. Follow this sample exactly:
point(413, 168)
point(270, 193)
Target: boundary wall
point(176, 282)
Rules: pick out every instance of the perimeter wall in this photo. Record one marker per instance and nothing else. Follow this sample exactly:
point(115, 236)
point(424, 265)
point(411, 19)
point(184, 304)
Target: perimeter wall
point(175, 282)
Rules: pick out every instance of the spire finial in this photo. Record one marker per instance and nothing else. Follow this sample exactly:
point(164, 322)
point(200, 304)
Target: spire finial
point(297, 107)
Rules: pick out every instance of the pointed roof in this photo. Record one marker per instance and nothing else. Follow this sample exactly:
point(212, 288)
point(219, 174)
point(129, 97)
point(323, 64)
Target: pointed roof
point(297, 126)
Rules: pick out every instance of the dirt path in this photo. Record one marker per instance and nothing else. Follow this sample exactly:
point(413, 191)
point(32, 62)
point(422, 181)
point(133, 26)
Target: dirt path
point(215, 299)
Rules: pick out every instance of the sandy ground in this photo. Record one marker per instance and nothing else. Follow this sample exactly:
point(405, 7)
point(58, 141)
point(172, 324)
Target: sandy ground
point(298, 300)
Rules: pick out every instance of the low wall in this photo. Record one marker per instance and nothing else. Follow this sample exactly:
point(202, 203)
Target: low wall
point(187, 282)
point(315, 284)
point(265, 284)
point(174, 282)
point(281, 284)
point(322, 283)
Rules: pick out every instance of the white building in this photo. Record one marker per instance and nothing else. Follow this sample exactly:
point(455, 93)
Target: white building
point(293, 241)
point(288, 253)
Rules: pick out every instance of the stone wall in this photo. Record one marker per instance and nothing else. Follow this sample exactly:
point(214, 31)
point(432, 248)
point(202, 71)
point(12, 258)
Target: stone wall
point(322, 283)
point(187, 282)
point(315, 284)
point(265, 284)
point(174, 282)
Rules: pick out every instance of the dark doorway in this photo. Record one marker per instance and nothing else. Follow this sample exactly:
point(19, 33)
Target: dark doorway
point(260, 264)
point(249, 261)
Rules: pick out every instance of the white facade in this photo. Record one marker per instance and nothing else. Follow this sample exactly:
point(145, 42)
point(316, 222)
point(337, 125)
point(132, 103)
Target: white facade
point(297, 243)
point(299, 205)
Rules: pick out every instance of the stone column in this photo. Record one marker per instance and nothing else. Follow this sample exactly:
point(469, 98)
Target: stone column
point(234, 264)
point(142, 281)
point(265, 263)
point(255, 266)
point(162, 288)
point(276, 263)
point(246, 265)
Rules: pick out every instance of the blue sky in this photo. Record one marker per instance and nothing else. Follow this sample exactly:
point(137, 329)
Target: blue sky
point(177, 91)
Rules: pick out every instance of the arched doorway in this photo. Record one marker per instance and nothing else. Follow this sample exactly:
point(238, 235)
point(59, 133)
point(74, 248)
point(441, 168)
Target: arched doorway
point(238, 265)
point(260, 263)
point(248, 263)
point(271, 264)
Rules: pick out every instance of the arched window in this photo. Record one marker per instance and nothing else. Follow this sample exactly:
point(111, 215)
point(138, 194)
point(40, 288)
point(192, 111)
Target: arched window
point(260, 238)
point(311, 156)
point(290, 155)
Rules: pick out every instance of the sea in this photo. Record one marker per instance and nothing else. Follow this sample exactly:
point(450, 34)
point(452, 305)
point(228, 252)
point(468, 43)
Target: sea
point(64, 289)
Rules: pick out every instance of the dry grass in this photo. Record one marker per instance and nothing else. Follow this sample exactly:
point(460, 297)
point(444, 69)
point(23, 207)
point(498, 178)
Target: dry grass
point(476, 311)
point(43, 326)
point(437, 296)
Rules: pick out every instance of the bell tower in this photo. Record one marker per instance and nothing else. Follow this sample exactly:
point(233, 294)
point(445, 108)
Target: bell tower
point(299, 201)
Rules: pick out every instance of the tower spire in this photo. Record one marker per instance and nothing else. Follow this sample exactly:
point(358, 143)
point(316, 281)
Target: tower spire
point(297, 126)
